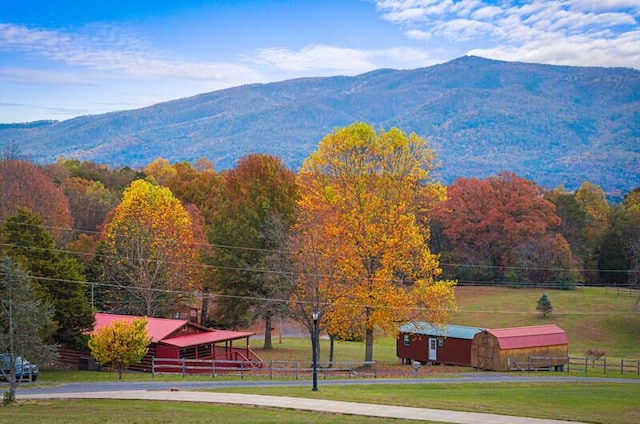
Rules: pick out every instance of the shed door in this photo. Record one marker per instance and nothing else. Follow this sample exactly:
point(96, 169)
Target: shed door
point(433, 348)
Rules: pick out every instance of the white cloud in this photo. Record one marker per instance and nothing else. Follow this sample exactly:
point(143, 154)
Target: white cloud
point(572, 32)
point(105, 50)
point(318, 58)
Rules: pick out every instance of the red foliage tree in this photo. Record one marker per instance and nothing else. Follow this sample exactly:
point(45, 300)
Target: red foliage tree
point(488, 219)
point(25, 185)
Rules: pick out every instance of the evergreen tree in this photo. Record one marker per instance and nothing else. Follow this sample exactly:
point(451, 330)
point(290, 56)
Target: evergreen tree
point(22, 312)
point(544, 306)
point(58, 277)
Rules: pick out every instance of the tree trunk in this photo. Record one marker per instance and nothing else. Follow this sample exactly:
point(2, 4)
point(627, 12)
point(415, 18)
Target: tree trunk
point(368, 351)
point(331, 342)
point(204, 314)
point(267, 331)
point(13, 385)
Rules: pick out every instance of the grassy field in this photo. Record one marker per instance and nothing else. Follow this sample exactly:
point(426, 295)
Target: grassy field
point(142, 412)
point(593, 317)
point(606, 403)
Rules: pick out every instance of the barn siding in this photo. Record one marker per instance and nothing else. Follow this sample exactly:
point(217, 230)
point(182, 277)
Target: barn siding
point(487, 354)
point(418, 349)
point(453, 351)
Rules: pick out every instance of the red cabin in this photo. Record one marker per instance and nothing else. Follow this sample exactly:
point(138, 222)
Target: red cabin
point(429, 343)
point(181, 339)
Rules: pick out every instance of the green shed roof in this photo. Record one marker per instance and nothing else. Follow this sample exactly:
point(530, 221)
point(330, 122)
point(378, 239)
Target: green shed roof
point(430, 329)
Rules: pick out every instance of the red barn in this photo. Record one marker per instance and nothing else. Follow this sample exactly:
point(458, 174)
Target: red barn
point(504, 349)
point(429, 343)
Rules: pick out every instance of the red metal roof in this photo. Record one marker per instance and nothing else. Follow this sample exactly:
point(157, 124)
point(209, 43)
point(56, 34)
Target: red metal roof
point(532, 336)
point(214, 336)
point(157, 328)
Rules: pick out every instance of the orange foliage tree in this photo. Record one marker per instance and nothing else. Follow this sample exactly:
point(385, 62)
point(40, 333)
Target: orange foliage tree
point(495, 224)
point(149, 249)
point(24, 185)
point(368, 191)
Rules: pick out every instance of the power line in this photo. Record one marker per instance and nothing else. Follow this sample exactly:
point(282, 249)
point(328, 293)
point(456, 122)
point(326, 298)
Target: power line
point(281, 251)
point(320, 303)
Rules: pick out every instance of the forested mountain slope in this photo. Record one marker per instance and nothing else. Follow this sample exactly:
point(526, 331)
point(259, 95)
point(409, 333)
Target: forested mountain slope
point(555, 125)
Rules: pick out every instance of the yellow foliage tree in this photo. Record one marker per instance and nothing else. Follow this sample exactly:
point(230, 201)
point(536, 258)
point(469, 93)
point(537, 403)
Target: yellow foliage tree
point(121, 344)
point(375, 192)
point(149, 248)
point(161, 170)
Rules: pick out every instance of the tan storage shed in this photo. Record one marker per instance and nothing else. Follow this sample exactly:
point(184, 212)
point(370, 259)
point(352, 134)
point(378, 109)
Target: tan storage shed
point(520, 348)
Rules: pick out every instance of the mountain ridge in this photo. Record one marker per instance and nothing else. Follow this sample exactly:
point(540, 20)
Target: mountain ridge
point(555, 125)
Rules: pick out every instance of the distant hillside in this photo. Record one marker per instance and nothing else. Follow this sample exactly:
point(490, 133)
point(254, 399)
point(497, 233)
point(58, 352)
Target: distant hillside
point(555, 125)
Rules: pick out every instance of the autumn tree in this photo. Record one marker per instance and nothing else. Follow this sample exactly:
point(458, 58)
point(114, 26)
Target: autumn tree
point(148, 250)
point(24, 185)
point(121, 344)
point(377, 187)
point(317, 278)
point(251, 226)
point(59, 278)
point(22, 311)
point(200, 186)
point(626, 232)
point(490, 220)
point(115, 180)
point(160, 170)
point(593, 203)
point(89, 202)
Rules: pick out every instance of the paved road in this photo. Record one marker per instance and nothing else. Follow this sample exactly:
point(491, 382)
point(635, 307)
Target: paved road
point(25, 388)
point(184, 391)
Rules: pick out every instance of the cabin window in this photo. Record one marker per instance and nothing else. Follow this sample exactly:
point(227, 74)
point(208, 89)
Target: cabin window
point(440, 341)
point(407, 340)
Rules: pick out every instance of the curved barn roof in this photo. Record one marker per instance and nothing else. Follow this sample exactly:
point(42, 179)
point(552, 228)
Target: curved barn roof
point(531, 336)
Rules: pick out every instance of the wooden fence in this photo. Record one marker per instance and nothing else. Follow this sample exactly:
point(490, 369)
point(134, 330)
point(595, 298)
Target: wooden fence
point(604, 365)
point(579, 364)
point(270, 369)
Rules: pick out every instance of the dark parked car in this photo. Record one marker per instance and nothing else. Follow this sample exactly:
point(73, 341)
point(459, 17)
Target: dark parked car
point(24, 368)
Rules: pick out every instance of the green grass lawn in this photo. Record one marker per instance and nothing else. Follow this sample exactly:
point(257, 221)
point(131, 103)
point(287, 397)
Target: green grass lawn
point(593, 317)
point(139, 412)
point(607, 403)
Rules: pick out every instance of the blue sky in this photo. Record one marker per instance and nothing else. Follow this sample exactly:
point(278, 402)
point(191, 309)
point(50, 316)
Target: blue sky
point(64, 58)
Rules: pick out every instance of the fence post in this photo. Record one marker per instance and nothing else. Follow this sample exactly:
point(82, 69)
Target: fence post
point(153, 366)
point(297, 364)
point(622, 366)
point(586, 365)
point(271, 369)
point(213, 368)
point(242, 369)
point(184, 366)
point(605, 364)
